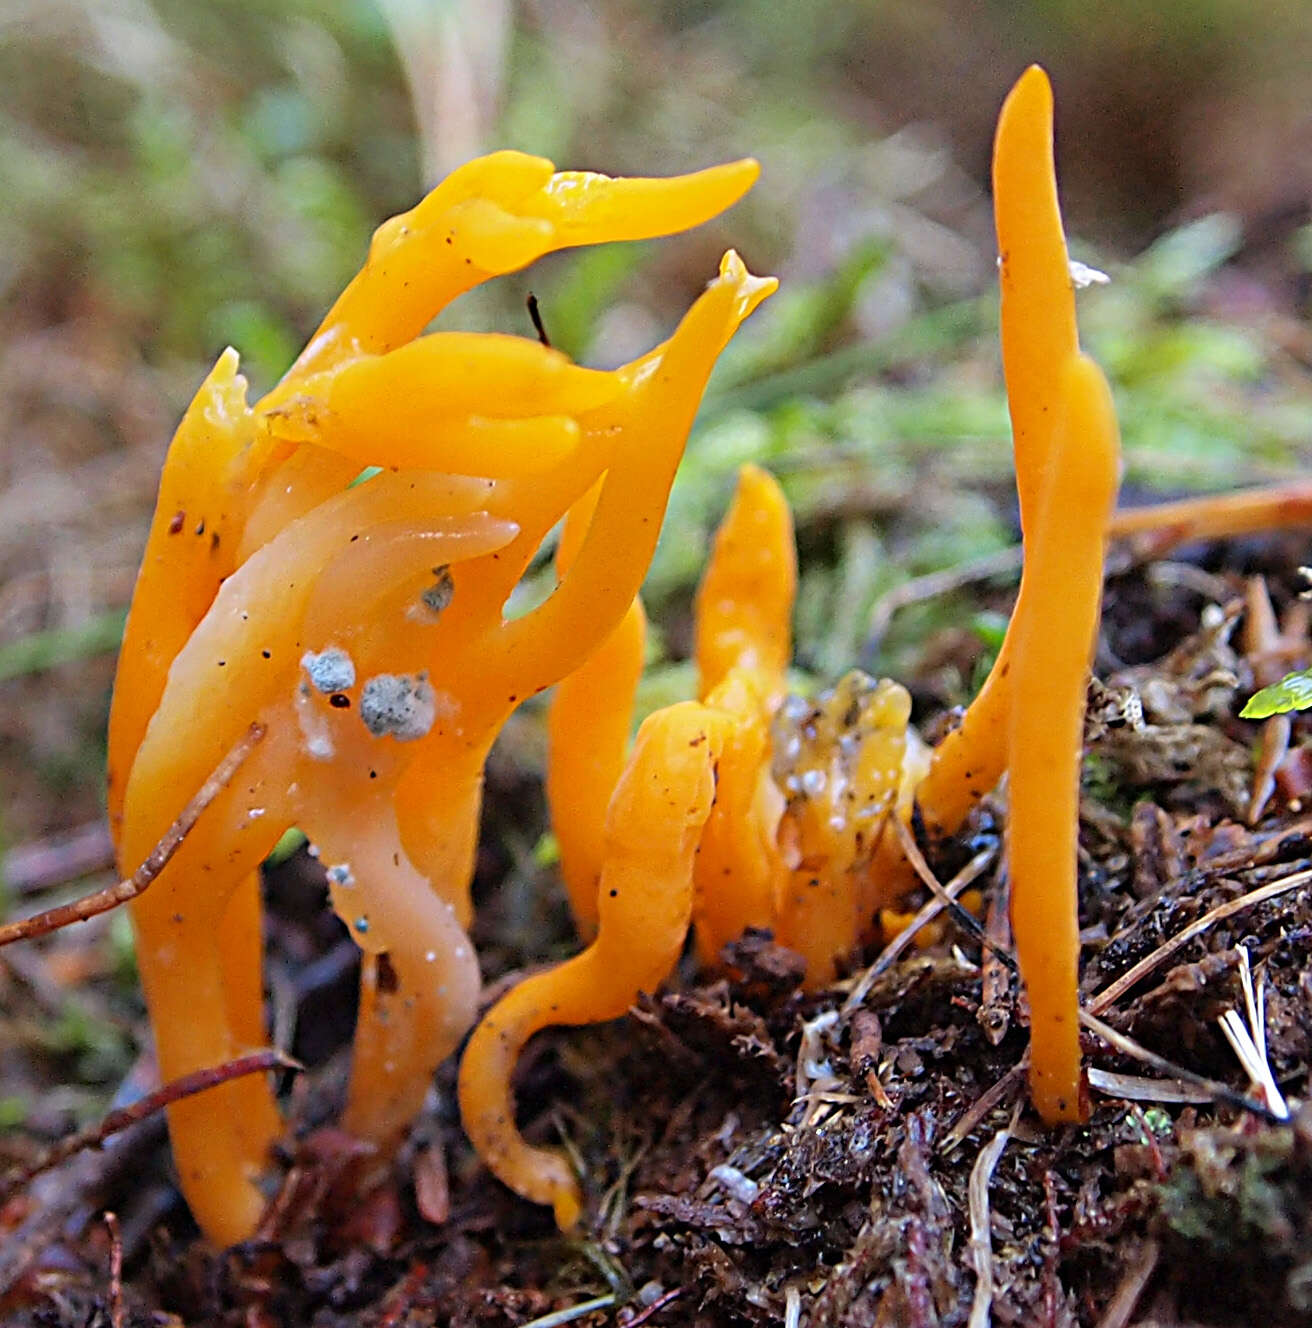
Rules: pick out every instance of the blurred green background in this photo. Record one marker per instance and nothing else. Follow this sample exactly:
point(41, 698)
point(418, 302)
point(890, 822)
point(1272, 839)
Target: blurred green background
point(177, 176)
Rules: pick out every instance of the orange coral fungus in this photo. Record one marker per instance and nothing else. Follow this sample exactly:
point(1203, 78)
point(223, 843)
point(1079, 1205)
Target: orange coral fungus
point(588, 736)
point(839, 762)
point(743, 642)
point(796, 838)
point(364, 626)
point(801, 795)
point(644, 903)
point(1038, 338)
point(805, 788)
point(1054, 629)
point(1027, 717)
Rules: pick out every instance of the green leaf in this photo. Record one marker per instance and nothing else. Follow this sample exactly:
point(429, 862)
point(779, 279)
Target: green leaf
point(1292, 692)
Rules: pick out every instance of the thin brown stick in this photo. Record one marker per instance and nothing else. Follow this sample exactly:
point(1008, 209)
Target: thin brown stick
point(187, 1085)
point(980, 1249)
point(936, 887)
point(932, 584)
point(928, 912)
point(116, 1317)
point(991, 1097)
point(994, 1013)
point(1138, 1270)
point(1113, 992)
point(655, 1307)
point(101, 901)
point(30, 868)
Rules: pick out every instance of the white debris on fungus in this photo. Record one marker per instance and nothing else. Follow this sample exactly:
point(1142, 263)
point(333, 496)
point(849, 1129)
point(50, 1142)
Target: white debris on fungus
point(330, 670)
point(340, 874)
point(314, 726)
point(399, 705)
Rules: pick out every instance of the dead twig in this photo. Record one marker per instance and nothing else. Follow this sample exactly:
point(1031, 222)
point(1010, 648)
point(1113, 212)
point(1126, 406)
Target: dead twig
point(1113, 992)
point(1211, 516)
point(116, 1319)
point(655, 1307)
point(966, 920)
point(1001, 562)
point(64, 1200)
point(994, 1013)
point(1248, 1039)
point(102, 901)
point(1219, 1092)
point(1001, 1092)
point(930, 910)
point(30, 868)
point(1138, 1088)
point(981, 1236)
point(187, 1085)
point(572, 1312)
point(1137, 1273)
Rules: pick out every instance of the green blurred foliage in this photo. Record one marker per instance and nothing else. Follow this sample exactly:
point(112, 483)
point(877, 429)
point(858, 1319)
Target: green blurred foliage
point(1292, 692)
point(180, 176)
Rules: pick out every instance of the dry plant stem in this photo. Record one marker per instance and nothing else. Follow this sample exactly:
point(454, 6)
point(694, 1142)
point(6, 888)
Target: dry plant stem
point(1139, 1088)
point(60, 1204)
point(1113, 992)
point(557, 1318)
point(188, 1085)
point(928, 912)
point(981, 1234)
point(116, 1317)
point(1219, 1092)
point(102, 901)
point(933, 584)
point(661, 1301)
point(29, 869)
point(1213, 516)
point(1141, 1267)
point(995, 985)
point(991, 1098)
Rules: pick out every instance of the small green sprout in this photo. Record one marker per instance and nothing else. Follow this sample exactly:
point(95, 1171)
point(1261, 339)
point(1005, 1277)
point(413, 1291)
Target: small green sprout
point(1292, 692)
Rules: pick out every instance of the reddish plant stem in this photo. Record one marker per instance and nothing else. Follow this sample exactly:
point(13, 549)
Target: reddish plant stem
point(102, 901)
point(188, 1085)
